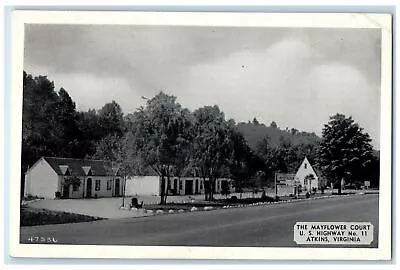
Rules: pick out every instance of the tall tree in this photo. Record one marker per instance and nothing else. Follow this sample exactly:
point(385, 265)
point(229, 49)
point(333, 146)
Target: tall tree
point(66, 120)
point(111, 119)
point(212, 145)
point(159, 133)
point(108, 148)
point(114, 148)
point(345, 150)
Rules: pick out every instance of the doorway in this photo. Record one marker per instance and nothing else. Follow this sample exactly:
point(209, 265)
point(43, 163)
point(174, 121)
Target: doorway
point(189, 187)
point(65, 192)
point(175, 186)
point(89, 188)
point(117, 187)
point(197, 186)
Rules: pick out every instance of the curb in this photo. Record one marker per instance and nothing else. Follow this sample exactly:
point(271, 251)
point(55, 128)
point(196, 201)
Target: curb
point(31, 201)
point(210, 208)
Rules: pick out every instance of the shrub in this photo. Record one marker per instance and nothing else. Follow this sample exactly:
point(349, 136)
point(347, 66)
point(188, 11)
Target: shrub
point(58, 195)
point(308, 195)
point(233, 199)
point(225, 190)
point(268, 199)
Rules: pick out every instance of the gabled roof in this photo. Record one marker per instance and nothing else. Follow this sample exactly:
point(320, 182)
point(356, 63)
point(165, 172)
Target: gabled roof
point(64, 169)
point(80, 167)
point(87, 170)
point(312, 167)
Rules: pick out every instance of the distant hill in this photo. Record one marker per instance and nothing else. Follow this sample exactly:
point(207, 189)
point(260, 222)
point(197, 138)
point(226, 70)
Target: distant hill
point(255, 132)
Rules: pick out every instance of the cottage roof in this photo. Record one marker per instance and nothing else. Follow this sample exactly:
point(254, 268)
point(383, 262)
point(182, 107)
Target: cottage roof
point(64, 169)
point(316, 171)
point(79, 167)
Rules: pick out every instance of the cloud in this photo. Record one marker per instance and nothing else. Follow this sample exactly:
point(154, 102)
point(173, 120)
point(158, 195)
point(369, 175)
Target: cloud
point(290, 83)
point(296, 77)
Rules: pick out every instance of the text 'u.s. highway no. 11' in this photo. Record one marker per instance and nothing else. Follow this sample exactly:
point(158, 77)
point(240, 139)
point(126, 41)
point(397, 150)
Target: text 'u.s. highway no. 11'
point(333, 233)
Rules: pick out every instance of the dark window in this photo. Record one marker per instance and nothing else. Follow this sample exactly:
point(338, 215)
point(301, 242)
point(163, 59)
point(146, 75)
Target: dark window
point(305, 165)
point(75, 187)
point(201, 184)
point(180, 185)
point(97, 186)
point(109, 184)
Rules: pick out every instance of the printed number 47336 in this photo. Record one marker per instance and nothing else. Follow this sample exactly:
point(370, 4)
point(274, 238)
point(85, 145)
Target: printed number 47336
point(42, 239)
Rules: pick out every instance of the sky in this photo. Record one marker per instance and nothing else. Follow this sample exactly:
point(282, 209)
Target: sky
point(297, 77)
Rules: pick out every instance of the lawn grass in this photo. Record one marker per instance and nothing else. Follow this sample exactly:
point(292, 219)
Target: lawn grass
point(32, 217)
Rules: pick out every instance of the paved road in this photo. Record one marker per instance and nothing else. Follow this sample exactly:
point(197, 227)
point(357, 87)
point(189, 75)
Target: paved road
point(270, 226)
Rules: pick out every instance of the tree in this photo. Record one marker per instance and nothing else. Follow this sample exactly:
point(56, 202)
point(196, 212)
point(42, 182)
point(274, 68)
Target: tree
point(273, 124)
point(345, 150)
point(66, 122)
point(108, 148)
point(159, 136)
point(225, 190)
point(212, 145)
point(42, 134)
point(111, 119)
point(308, 179)
point(255, 121)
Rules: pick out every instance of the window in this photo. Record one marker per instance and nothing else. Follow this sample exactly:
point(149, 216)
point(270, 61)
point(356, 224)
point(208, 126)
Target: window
point(180, 185)
point(75, 187)
point(109, 184)
point(305, 165)
point(201, 184)
point(97, 185)
point(305, 182)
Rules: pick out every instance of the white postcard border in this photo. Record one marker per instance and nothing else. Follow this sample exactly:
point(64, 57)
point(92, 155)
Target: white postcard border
point(321, 20)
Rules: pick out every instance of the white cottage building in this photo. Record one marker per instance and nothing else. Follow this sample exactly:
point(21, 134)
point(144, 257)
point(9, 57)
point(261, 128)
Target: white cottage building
point(306, 176)
point(51, 177)
point(151, 185)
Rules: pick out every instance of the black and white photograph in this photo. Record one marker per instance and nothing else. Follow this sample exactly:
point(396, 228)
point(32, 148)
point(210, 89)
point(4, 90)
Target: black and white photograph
point(209, 134)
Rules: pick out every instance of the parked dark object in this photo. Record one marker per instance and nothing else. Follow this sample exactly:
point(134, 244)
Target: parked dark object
point(308, 195)
point(135, 203)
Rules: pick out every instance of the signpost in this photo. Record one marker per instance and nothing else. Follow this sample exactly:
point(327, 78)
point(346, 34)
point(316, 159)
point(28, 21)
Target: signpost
point(284, 179)
point(367, 184)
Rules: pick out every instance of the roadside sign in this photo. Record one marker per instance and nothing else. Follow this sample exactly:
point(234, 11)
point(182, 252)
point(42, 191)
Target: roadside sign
point(367, 184)
point(286, 179)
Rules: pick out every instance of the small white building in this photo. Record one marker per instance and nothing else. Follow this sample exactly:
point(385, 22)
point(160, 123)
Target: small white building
point(306, 176)
point(151, 185)
point(73, 178)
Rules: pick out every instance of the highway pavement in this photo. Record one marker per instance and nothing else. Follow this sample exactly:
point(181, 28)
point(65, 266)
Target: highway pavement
point(258, 226)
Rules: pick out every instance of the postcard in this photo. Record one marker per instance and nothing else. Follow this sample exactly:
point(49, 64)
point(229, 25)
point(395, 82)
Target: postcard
point(179, 135)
